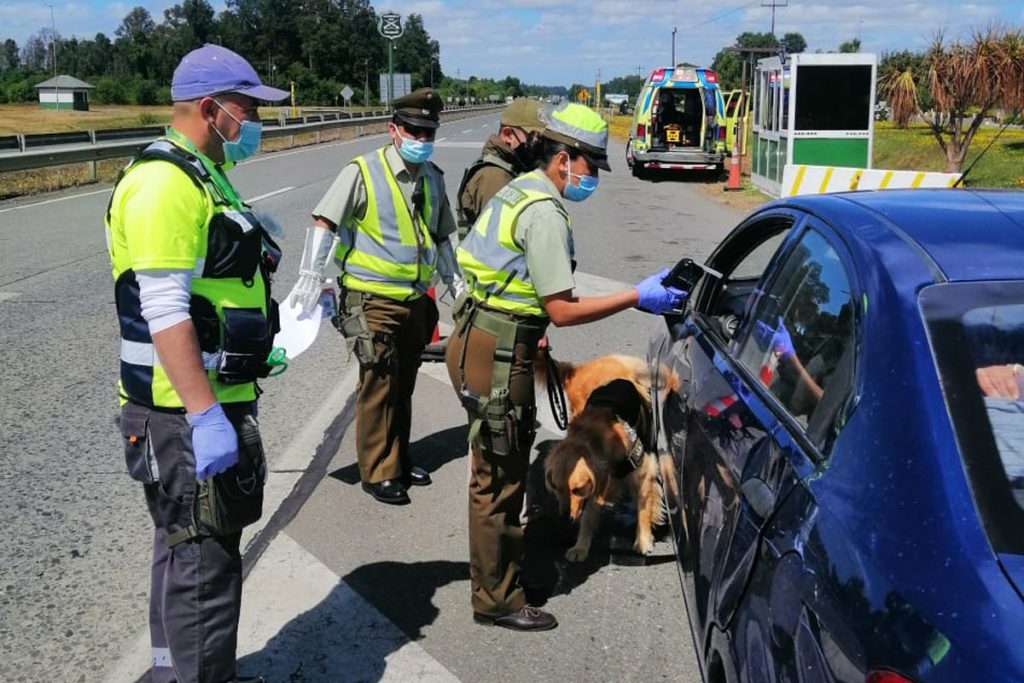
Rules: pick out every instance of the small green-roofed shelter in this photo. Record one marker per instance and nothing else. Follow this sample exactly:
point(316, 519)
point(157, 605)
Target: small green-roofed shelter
point(64, 92)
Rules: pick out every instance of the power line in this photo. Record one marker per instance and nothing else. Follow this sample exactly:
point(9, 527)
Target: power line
point(723, 15)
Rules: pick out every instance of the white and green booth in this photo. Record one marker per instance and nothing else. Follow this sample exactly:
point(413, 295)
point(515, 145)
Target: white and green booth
point(814, 109)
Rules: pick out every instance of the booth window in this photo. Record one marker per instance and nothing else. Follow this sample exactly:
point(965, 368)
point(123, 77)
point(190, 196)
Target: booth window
point(833, 97)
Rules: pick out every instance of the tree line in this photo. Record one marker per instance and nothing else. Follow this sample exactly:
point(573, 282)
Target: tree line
point(320, 45)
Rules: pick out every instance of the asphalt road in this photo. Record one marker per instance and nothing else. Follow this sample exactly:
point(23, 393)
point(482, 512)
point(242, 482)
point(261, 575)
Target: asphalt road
point(342, 588)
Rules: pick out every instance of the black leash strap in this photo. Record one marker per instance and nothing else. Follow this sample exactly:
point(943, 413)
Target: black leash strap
point(556, 395)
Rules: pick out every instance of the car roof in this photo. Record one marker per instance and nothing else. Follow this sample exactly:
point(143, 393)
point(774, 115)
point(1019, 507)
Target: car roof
point(969, 234)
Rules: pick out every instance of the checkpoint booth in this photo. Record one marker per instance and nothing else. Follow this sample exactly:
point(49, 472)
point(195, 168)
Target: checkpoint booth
point(813, 109)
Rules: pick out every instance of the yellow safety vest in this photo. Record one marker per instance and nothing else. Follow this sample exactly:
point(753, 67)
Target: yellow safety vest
point(390, 251)
point(493, 264)
point(230, 290)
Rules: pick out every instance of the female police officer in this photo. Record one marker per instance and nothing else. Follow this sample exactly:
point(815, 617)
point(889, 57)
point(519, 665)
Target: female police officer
point(517, 260)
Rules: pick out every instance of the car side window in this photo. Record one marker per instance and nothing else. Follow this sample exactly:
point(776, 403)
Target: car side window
point(799, 339)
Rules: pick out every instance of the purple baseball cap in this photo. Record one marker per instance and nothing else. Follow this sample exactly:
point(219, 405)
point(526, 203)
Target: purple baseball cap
point(215, 70)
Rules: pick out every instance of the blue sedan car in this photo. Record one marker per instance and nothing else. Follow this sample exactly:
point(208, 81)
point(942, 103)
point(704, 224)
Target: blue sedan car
point(849, 441)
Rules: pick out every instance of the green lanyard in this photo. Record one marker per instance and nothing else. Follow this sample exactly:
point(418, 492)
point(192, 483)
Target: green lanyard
point(220, 181)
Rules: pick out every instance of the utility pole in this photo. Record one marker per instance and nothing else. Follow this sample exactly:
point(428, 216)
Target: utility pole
point(53, 44)
point(597, 90)
point(673, 47)
point(366, 86)
point(773, 4)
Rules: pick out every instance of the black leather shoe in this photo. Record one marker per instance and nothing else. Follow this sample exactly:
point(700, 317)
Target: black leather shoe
point(417, 477)
point(389, 491)
point(434, 353)
point(529, 618)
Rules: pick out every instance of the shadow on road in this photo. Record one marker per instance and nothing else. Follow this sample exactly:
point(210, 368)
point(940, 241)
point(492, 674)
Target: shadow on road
point(343, 638)
point(432, 452)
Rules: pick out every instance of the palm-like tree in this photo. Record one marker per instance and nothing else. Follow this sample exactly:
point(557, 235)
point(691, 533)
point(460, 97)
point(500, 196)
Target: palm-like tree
point(969, 81)
point(901, 96)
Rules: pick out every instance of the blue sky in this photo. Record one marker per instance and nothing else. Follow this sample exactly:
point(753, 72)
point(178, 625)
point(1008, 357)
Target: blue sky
point(557, 42)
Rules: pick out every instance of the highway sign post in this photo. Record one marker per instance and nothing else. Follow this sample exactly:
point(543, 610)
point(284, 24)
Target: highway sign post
point(390, 26)
point(346, 95)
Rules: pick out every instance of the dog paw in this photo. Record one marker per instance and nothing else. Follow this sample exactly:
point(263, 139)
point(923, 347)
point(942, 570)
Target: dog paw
point(644, 546)
point(575, 554)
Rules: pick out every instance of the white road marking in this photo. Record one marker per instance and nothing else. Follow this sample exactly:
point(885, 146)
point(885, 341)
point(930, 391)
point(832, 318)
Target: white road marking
point(268, 156)
point(440, 139)
point(467, 131)
point(297, 614)
point(51, 201)
point(269, 194)
point(7, 296)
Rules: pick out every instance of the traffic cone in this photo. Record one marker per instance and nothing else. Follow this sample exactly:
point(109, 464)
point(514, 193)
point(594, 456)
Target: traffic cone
point(436, 337)
point(734, 182)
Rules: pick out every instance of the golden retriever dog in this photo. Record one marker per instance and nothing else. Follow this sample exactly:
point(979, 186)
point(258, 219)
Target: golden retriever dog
point(603, 454)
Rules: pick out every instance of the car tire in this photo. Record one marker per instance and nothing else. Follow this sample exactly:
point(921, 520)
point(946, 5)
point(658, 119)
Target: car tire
point(638, 170)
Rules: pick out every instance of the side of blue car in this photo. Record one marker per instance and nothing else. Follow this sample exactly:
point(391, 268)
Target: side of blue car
point(841, 518)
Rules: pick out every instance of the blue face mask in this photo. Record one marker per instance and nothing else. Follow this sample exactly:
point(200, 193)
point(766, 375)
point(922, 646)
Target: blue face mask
point(577, 193)
point(415, 151)
point(248, 138)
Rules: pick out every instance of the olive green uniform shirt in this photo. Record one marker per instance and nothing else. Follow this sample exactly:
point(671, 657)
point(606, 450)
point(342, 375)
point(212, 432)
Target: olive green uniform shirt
point(346, 198)
point(486, 182)
point(543, 233)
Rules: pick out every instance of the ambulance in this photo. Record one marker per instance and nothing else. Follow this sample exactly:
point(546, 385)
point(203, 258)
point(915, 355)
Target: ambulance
point(678, 122)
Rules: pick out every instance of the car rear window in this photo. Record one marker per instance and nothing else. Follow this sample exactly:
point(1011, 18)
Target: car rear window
point(976, 331)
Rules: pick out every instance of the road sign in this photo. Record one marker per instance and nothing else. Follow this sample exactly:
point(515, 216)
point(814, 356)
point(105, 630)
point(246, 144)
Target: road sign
point(583, 95)
point(347, 93)
point(390, 25)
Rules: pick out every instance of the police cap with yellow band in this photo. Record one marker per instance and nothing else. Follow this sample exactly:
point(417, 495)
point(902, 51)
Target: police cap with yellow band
point(581, 128)
point(420, 108)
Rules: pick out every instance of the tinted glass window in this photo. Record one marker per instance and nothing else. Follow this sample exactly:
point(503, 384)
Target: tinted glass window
point(801, 335)
point(977, 335)
point(833, 97)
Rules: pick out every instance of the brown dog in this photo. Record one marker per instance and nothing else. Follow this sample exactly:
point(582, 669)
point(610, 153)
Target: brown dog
point(604, 452)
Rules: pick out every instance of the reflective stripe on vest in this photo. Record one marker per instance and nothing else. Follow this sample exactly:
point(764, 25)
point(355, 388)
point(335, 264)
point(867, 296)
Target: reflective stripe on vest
point(494, 265)
point(143, 379)
point(387, 251)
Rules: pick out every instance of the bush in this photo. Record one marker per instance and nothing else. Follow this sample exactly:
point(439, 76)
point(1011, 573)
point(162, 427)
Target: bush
point(143, 92)
point(163, 95)
point(23, 90)
point(109, 91)
point(147, 119)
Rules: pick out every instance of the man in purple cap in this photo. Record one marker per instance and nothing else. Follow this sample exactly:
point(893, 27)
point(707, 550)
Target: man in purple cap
point(191, 268)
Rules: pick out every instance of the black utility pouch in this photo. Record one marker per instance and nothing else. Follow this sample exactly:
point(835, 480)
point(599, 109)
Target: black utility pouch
point(247, 343)
point(230, 501)
point(234, 246)
point(138, 448)
point(500, 422)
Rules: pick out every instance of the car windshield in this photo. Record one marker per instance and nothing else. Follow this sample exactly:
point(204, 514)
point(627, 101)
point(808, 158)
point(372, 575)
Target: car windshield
point(976, 331)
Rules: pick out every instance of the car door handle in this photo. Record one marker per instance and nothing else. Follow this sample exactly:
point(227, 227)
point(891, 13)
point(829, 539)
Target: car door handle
point(759, 495)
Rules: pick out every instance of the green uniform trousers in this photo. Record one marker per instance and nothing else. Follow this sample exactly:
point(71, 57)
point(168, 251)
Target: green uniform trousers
point(497, 483)
point(384, 392)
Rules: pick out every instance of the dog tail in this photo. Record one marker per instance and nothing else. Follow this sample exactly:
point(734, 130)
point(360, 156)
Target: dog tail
point(543, 360)
point(668, 380)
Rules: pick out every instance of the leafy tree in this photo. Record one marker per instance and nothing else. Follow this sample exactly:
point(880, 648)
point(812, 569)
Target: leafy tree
point(34, 53)
point(109, 90)
point(728, 63)
point(850, 46)
point(133, 44)
point(9, 57)
point(793, 43)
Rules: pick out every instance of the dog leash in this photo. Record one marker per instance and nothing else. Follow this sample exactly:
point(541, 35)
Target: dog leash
point(556, 394)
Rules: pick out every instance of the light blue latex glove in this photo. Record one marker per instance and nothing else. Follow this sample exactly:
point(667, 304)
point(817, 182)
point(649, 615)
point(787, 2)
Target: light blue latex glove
point(214, 441)
point(656, 297)
point(777, 338)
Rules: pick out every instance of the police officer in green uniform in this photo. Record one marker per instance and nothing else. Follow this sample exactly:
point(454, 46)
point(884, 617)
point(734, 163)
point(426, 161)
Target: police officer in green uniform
point(392, 220)
point(191, 267)
point(506, 154)
point(518, 263)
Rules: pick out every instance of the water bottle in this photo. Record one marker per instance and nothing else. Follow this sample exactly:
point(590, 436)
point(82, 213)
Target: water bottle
point(328, 304)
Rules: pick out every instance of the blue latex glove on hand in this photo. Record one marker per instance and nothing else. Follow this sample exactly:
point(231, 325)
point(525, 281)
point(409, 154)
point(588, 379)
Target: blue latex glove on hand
point(656, 297)
point(214, 441)
point(777, 338)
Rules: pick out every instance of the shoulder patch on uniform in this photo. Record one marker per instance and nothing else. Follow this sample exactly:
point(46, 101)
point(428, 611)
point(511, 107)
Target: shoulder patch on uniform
point(511, 195)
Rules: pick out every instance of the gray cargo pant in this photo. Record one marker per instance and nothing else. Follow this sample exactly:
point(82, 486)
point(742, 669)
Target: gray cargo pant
point(196, 586)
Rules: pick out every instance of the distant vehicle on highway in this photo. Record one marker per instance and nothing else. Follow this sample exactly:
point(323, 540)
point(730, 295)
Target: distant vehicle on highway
point(678, 122)
point(849, 450)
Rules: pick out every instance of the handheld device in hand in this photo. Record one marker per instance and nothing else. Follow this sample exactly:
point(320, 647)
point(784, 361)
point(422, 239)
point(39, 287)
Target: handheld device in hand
point(686, 273)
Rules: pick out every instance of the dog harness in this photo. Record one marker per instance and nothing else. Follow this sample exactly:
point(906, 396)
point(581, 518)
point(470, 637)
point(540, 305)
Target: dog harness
point(621, 397)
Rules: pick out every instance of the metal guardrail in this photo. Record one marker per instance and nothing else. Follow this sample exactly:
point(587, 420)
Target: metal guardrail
point(39, 150)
